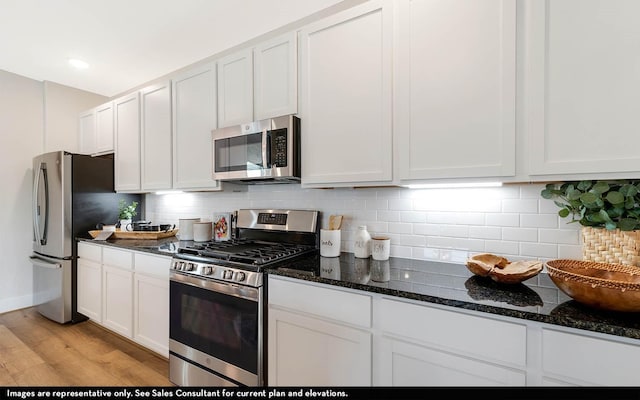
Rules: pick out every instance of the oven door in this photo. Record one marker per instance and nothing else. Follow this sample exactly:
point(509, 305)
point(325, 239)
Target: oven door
point(215, 333)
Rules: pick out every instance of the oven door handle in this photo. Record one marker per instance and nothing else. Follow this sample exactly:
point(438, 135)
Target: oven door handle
point(227, 288)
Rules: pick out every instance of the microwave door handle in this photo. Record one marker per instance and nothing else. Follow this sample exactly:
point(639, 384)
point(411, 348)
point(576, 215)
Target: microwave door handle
point(265, 137)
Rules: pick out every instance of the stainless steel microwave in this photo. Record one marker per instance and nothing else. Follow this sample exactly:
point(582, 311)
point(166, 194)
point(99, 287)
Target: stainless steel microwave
point(265, 151)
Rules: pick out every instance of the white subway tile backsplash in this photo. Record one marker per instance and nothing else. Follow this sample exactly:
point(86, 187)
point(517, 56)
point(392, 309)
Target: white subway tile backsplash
point(485, 232)
point(559, 236)
point(413, 216)
point(399, 227)
point(520, 206)
point(539, 250)
point(510, 219)
point(469, 218)
point(388, 216)
point(502, 248)
point(520, 234)
point(538, 220)
point(436, 224)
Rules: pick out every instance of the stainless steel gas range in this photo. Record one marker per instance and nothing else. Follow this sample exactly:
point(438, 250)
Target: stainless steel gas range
point(216, 297)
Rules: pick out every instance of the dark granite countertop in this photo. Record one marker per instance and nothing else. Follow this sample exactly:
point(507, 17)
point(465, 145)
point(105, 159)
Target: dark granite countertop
point(448, 284)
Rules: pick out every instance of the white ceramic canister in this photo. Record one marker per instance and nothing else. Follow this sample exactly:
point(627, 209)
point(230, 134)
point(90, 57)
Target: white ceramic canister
point(185, 226)
point(362, 243)
point(202, 231)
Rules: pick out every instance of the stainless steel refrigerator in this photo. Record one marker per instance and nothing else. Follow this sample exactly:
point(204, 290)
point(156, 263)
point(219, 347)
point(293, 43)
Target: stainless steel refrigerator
point(71, 194)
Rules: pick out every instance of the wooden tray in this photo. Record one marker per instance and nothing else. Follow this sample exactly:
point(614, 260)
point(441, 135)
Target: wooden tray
point(118, 234)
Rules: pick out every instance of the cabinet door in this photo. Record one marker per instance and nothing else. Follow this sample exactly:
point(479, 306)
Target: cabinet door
point(87, 136)
point(306, 351)
point(455, 92)
point(235, 89)
point(117, 300)
point(151, 312)
point(276, 77)
point(582, 88)
point(89, 282)
point(194, 117)
point(400, 363)
point(156, 139)
point(585, 360)
point(345, 97)
point(104, 128)
point(127, 154)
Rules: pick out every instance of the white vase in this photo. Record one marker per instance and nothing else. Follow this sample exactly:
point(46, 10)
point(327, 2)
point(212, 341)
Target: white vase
point(362, 244)
point(125, 225)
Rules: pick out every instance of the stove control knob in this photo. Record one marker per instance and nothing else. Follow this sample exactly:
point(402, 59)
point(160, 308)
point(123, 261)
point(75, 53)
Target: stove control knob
point(240, 276)
point(227, 274)
point(207, 270)
point(189, 266)
point(179, 265)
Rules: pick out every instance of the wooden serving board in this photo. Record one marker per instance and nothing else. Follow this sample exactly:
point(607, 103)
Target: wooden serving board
point(118, 234)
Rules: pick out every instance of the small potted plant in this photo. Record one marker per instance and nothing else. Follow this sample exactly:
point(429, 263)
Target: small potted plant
point(126, 212)
point(609, 212)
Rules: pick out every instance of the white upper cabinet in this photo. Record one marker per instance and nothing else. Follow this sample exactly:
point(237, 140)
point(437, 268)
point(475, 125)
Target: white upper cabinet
point(345, 97)
point(96, 130)
point(127, 154)
point(87, 135)
point(104, 128)
point(156, 138)
point(455, 89)
point(194, 117)
point(235, 89)
point(276, 77)
point(583, 87)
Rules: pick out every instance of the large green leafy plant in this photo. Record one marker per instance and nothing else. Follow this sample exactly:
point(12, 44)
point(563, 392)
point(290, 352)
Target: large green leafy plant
point(601, 204)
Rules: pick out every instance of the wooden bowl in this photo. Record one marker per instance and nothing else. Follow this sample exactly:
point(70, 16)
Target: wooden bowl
point(502, 270)
point(605, 286)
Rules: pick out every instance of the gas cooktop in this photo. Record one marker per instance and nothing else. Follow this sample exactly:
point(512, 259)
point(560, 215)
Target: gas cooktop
point(247, 251)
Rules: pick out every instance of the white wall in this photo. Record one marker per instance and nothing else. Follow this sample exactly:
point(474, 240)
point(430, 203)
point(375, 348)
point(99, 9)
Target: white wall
point(21, 109)
point(436, 224)
point(62, 105)
point(24, 103)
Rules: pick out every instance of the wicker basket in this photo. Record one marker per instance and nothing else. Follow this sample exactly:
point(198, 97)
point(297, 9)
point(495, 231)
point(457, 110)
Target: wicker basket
point(605, 286)
point(611, 246)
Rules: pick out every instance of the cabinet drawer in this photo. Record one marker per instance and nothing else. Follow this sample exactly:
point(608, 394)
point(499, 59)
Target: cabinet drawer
point(483, 338)
point(152, 265)
point(588, 360)
point(91, 252)
point(338, 305)
point(117, 258)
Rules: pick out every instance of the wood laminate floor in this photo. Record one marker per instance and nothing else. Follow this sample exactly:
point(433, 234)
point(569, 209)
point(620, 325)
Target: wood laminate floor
point(35, 351)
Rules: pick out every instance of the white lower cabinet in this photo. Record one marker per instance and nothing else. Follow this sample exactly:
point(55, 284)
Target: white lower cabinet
point(117, 291)
point(127, 292)
point(583, 360)
point(151, 302)
point(317, 336)
point(309, 351)
point(425, 346)
point(401, 363)
point(90, 281)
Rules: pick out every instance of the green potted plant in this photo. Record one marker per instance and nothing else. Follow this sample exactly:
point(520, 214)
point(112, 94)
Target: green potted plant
point(126, 212)
point(609, 212)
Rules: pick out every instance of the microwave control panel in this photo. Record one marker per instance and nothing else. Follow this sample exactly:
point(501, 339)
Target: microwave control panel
point(278, 147)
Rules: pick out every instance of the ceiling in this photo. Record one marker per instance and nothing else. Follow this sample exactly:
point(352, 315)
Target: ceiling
point(129, 42)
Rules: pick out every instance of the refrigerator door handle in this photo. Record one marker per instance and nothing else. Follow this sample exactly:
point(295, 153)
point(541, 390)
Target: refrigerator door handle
point(42, 175)
point(44, 264)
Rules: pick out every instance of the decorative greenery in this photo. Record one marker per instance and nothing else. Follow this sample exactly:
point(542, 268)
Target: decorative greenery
point(127, 211)
point(601, 204)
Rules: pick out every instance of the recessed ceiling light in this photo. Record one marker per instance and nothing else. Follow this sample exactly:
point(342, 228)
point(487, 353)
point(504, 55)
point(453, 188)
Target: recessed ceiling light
point(79, 64)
